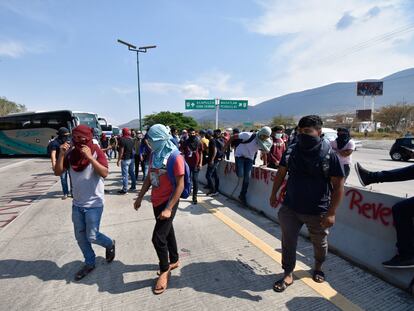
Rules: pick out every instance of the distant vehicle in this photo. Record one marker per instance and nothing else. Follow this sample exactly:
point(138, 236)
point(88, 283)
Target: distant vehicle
point(402, 149)
point(29, 133)
point(108, 129)
point(331, 135)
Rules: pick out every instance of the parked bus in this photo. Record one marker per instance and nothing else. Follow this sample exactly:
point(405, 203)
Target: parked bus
point(29, 133)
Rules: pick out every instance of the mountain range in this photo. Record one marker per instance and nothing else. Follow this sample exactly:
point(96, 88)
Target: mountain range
point(329, 99)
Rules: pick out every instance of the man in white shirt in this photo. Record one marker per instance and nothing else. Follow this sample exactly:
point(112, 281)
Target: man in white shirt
point(343, 146)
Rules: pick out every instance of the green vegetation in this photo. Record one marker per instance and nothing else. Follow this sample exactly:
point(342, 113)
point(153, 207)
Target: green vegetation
point(176, 119)
point(7, 107)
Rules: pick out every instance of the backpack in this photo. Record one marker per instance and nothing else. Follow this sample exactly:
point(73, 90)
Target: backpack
point(251, 138)
point(320, 168)
point(219, 146)
point(187, 179)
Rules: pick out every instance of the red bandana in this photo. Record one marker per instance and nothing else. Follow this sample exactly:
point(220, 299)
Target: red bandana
point(78, 161)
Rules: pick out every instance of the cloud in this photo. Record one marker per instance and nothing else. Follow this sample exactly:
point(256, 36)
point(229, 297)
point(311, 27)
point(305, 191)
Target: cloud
point(311, 51)
point(12, 49)
point(124, 90)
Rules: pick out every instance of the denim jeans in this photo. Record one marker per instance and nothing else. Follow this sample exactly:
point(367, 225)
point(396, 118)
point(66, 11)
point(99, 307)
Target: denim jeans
point(212, 173)
point(64, 182)
point(145, 166)
point(127, 168)
point(86, 221)
point(403, 211)
point(244, 169)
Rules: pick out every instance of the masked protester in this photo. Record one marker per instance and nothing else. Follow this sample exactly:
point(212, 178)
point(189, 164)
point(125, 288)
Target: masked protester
point(313, 192)
point(88, 167)
point(272, 159)
point(343, 146)
point(127, 161)
point(192, 150)
point(54, 148)
point(248, 144)
point(165, 198)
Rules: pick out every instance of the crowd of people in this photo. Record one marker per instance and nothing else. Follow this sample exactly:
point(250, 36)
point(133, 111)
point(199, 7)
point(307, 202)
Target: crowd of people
point(171, 162)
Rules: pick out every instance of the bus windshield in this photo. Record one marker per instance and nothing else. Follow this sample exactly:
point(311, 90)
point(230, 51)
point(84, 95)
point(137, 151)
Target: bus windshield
point(88, 119)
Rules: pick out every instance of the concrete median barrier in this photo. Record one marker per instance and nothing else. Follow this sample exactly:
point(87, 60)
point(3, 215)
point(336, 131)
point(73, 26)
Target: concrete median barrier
point(363, 233)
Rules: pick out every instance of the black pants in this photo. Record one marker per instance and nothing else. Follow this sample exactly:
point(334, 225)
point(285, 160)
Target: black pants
point(403, 212)
point(163, 238)
point(194, 178)
point(212, 173)
point(137, 163)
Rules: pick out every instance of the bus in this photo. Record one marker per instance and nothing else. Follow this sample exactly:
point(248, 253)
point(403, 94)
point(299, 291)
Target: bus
point(107, 128)
point(29, 133)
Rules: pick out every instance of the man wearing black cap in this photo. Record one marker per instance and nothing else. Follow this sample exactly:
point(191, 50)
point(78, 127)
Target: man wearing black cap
point(54, 146)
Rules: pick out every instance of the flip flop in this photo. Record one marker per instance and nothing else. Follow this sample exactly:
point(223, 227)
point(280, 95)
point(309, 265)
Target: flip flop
point(159, 291)
point(318, 276)
point(281, 285)
point(173, 266)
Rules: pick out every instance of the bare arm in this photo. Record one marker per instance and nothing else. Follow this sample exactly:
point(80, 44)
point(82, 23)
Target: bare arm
point(179, 181)
point(145, 187)
point(277, 183)
point(53, 158)
point(337, 193)
point(59, 167)
point(346, 153)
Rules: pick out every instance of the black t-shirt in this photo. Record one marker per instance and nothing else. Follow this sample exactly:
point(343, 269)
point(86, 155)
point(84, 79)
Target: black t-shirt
point(55, 145)
point(309, 193)
point(128, 144)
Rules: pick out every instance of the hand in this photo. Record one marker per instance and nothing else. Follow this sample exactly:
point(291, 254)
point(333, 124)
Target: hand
point(137, 203)
point(117, 163)
point(64, 147)
point(328, 221)
point(199, 167)
point(165, 214)
point(87, 152)
point(273, 200)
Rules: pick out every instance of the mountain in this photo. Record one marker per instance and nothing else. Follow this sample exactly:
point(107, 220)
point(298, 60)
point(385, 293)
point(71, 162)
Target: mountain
point(329, 99)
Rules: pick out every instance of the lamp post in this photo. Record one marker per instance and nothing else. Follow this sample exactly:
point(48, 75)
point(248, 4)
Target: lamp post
point(142, 49)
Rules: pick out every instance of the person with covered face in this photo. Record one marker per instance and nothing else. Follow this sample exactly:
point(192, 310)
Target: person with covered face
point(314, 190)
point(248, 144)
point(165, 196)
point(88, 167)
point(344, 146)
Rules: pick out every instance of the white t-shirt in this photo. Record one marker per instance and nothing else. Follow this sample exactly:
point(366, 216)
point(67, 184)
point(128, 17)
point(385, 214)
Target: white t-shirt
point(349, 146)
point(246, 150)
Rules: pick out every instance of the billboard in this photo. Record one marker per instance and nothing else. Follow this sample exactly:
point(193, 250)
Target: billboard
point(370, 88)
point(363, 115)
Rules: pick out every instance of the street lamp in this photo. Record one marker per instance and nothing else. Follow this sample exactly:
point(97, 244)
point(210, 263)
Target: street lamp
point(142, 49)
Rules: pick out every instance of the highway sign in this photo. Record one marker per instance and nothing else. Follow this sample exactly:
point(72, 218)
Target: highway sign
point(200, 104)
point(233, 104)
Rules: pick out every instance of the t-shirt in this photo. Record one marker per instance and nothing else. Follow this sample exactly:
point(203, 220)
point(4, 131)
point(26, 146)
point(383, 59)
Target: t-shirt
point(309, 194)
point(276, 151)
point(192, 157)
point(55, 145)
point(211, 150)
point(349, 146)
point(204, 142)
point(162, 193)
point(246, 150)
point(87, 185)
point(128, 144)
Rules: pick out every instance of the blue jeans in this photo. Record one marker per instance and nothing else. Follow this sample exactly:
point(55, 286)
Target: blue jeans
point(86, 221)
point(244, 169)
point(64, 182)
point(127, 168)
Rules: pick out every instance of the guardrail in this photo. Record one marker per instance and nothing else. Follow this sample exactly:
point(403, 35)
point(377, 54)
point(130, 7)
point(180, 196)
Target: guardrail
point(363, 232)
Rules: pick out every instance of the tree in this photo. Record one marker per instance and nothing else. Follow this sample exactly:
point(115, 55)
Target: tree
point(176, 119)
point(397, 117)
point(7, 107)
point(283, 120)
point(206, 125)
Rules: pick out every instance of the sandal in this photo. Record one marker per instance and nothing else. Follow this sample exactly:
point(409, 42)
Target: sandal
point(162, 289)
point(281, 285)
point(173, 266)
point(318, 276)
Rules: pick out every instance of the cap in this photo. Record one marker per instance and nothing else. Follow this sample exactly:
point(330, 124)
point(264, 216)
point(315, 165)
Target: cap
point(63, 131)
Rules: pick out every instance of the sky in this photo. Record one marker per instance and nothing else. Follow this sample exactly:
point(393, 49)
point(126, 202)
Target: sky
point(61, 54)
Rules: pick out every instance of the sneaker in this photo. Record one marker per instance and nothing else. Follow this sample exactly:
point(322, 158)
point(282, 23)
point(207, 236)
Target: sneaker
point(132, 188)
point(243, 199)
point(364, 176)
point(65, 196)
point(214, 193)
point(86, 269)
point(122, 191)
point(110, 253)
point(399, 262)
point(195, 201)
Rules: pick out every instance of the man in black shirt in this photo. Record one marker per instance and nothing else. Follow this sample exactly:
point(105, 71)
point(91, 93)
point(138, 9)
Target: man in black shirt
point(314, 190)
point(126, 158)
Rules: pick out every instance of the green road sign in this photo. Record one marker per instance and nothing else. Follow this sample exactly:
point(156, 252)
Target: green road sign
point(233, 104)
point(248, 123)
point(200, 104)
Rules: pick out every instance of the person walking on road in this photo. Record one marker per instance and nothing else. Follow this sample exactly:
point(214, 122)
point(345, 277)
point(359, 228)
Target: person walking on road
point(192, 150)
point(126, 159)
point(54, 148)
point(137, 157)
point(165, 196)
point(402, 212)
point(313, 192)
point(88, 167)
point(344, 146)
point(215, 155)
point(113, 145)
point(248, 144)
point(272, 159)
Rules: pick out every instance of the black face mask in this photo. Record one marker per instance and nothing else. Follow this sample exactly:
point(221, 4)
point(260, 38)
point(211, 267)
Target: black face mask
point(308, 142)
point(342, 140)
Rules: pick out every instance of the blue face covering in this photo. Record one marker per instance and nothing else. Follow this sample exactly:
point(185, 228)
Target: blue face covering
point(161, 144)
